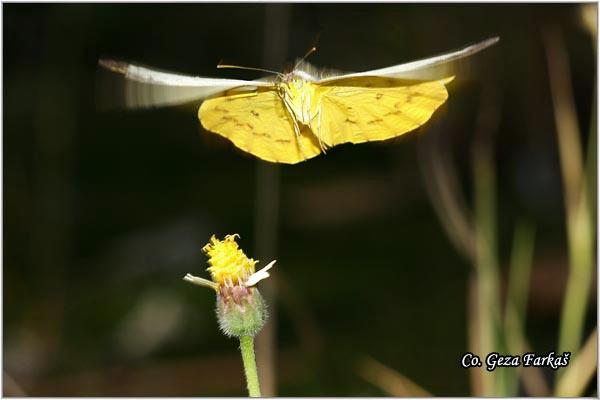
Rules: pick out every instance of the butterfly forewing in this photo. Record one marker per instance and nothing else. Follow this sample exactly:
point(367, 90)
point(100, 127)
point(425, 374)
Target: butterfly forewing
point(151, 87)
point(426, 69)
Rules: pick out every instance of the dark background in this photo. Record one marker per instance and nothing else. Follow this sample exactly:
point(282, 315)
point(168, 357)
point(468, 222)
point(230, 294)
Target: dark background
point(105, 211)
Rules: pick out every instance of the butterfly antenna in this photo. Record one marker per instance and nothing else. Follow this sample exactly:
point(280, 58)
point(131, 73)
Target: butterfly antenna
point(308, 53)
point(219, 66)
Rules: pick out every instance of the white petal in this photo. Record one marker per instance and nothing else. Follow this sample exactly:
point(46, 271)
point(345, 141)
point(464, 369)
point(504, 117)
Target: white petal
point(200, 281)
point(259, 275)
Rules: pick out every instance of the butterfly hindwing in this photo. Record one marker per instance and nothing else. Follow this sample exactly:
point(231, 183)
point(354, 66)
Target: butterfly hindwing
point(258, 123)
point(363, 109)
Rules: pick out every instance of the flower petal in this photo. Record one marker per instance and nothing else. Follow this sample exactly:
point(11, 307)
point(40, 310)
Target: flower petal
point(200, 281)
point(259, 275)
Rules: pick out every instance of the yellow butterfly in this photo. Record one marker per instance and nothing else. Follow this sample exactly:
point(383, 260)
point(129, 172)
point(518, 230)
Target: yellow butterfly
point(292, 117)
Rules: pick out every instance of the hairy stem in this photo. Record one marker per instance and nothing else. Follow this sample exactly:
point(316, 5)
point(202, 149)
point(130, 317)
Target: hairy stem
point(247, 349)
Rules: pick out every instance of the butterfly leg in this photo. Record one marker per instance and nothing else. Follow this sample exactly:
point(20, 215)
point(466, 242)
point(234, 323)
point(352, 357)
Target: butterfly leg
point(296, 127)
point(297, 132)
point(318, 134)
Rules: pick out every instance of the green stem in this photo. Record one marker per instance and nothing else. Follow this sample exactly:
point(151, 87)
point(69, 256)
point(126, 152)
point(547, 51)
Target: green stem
point(247, 349)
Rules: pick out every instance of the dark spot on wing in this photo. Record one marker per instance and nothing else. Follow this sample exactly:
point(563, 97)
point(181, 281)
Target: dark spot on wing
point(254, 113)
point(379, 96)
point(417, 93)
point(221, 109)
point(374, 121)
point(393, 113)
point(282, 140)
point(233, 120)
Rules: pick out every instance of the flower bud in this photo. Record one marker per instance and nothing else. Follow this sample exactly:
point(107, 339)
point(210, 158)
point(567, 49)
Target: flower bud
point(241, 310)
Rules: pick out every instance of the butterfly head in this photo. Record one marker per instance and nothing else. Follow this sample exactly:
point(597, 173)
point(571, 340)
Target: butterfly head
point(296, 91)
point(291, 84)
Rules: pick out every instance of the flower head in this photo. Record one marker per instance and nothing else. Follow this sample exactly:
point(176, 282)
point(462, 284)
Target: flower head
point(228, 263)
point(229, 266)
point(240, 307)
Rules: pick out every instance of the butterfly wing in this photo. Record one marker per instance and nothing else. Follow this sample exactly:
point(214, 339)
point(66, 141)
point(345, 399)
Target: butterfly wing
point(358, 110)
point(384, 103)
point(258, 123)
point(420, 69)
point(147, 87)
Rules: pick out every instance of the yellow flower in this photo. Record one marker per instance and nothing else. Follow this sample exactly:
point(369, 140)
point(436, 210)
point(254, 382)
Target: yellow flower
point(228, 263)
point(229, 266)
point(241, 310)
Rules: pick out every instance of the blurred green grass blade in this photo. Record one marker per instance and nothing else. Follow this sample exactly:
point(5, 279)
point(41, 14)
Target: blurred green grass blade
point(581, 369)
point(516, 298)
point(390, 381)
point(520, 269)
point(580, 233)
point(487, 264)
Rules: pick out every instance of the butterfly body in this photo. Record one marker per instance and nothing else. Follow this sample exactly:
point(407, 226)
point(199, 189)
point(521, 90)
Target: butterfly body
point(293, 117)
point(298, 94)
point(297, 119)
point(272, 123)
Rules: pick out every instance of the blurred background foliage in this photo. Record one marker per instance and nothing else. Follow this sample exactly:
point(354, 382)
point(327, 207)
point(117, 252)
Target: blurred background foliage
point(106, 210)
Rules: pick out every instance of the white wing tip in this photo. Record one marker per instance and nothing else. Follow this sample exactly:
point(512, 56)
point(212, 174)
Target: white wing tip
point(113, 65)
point(486, 43)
